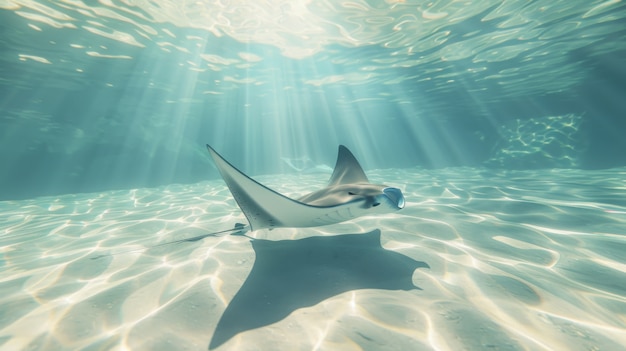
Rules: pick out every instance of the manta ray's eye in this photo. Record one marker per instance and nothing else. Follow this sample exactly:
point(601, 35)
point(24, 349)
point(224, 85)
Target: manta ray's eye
point(351, 193)
point(375, 204)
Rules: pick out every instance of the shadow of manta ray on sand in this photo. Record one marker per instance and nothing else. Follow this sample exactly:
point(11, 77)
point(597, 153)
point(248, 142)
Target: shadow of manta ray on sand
point(292, 274)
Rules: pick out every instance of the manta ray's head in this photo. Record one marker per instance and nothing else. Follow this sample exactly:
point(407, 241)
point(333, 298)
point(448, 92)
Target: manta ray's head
point(362, 198)
point(376, 198)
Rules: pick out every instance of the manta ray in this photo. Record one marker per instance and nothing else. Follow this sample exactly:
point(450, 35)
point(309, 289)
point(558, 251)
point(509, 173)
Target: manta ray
point(291, 274)
point(348, 195)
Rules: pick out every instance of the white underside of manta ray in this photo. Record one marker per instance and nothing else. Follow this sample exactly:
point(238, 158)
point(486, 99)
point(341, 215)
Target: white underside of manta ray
point(348, 195)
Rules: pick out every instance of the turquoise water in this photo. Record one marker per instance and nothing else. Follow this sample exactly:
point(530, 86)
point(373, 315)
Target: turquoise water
point(501, 121)
point(116, 94)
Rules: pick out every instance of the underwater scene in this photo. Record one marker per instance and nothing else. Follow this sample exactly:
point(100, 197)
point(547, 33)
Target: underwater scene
point(312, 175)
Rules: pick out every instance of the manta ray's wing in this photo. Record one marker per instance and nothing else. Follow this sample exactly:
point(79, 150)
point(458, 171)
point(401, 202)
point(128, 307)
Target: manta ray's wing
point(347, 169)
point(263, 207)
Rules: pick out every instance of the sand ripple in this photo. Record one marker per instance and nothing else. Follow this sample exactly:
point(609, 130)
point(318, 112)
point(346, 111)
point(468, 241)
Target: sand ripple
point(518, 260)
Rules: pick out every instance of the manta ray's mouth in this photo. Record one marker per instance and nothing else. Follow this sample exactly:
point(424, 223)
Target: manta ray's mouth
point(395, 195)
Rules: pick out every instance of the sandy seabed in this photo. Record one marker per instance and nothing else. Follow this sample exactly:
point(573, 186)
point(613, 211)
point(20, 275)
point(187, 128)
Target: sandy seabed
point(503, 260)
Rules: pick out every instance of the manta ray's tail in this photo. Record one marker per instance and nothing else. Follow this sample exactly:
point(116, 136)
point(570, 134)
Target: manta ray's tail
point(239, 229)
